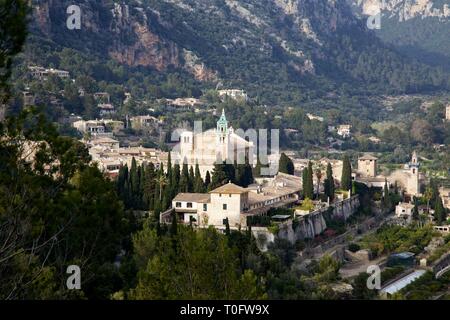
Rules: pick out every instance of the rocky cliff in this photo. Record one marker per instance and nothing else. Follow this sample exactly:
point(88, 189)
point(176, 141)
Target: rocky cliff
point(295, 45)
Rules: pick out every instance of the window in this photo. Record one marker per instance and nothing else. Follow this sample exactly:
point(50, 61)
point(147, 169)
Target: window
point(205, 207)
point(178, 205)
point(189, 204)
point(224, 206)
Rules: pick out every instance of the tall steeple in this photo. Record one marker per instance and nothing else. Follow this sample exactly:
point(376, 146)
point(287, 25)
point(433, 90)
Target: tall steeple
point(222, 124)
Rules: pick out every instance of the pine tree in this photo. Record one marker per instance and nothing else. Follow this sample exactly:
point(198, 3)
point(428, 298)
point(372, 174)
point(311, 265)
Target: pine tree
point(329, 183)
point(346, 180)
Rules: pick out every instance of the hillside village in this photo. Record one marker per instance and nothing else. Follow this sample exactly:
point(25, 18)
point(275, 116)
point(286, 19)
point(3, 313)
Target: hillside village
point(148, 152)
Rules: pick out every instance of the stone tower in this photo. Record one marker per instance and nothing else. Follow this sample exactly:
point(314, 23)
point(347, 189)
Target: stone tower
point(413, 187)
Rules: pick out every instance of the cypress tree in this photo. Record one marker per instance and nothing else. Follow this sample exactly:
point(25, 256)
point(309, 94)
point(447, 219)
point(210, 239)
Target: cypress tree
point(149, 186)
point(309, 190)
point(415, 213)
point(329, 183)
point(199, 186)
point(304, 181)
point(439, 211)
point(175, 182)
point(207, 180)
point(386, 196)
point(285, 164)
point(169, 168)
point(184, 179)
point(219, 176)
point(191, 180)
point(346, 180)
point(134, 184)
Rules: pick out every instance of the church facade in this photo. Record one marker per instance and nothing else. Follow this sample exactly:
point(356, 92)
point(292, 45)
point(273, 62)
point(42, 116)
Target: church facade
point(213, 146)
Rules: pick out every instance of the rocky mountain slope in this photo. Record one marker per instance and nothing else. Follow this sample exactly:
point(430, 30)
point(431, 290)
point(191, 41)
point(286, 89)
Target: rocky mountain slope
point(418, 28)
point(306, 47)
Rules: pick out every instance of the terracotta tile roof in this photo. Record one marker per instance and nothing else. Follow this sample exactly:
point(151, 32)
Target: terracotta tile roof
point(229, 188)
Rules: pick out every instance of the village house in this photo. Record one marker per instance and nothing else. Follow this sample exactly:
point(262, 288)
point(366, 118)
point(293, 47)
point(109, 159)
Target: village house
point(110, 157)
point(145, 122)
point(42, 73)
point(344, 130)
point(106, 109)
point(236, 94)
point(404, 211)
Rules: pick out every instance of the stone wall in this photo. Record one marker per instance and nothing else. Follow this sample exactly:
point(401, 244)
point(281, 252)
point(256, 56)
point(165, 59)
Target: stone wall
point(314, 223)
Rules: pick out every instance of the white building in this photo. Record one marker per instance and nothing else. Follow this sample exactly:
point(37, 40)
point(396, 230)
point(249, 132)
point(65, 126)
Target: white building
point(236, 94)
point(405, 211)
point(212, 146)
point(344, 130)
point(233, 202)
point(42, 73)
point(447, 113)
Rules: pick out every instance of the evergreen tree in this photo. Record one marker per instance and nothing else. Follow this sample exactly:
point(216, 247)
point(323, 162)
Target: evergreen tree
point(415, 213)
point(439, 211)
point(329, 183)
point(386, 195)
point(257, 169)
point(173, 226)
point(207, 181)
point(184, 179)
point(219, 176)
point(175, 182)
point(149, 186)
point(191, 180)
point(169, 168)
point(304, 181)
point(199, 186)
point(309, 188)
point(346, 180)
point(134, 184)
point(285, 164)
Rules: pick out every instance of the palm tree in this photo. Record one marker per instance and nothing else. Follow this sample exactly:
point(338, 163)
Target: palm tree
point(319, 179)
point(162, 181)
point(428, 195)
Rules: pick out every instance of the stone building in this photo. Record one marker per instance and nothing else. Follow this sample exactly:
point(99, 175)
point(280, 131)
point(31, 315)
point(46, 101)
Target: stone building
point(367, 166)
point(234, 203)
point(212, 146)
